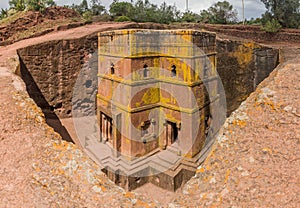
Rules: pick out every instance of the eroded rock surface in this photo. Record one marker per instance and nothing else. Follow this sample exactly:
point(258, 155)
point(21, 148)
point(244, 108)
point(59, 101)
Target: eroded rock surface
point(38, 169)
point(255, 161)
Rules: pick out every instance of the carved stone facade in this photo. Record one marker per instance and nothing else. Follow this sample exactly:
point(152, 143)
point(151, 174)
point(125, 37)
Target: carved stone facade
point(152, 101)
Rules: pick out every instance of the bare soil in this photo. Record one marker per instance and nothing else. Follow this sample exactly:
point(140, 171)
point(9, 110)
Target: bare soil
point(30, 24)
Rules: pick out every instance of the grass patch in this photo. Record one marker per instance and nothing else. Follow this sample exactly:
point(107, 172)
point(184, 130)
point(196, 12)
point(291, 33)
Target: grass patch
point(12, 18)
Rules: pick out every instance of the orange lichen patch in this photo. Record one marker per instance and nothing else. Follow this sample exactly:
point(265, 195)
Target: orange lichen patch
point(204, 196)
point(227, 176)
point(103, 188)
point(270, 104)
point(210, 155)
point(220, 199)
point(140, 203)
point(267, 150)
point(61, 146)
point(217, 204)
point(206, 179)
point(239, 123)
point(208, 167)
point(149, 96)
point(129, 195)
point(257, 107)
point(200, 170)
point(192, 189)
point(237, 182)
point(38, 169)
point(60, 171)
point(60, 156)
point(216, 165)
point(99, 179)
point(244, 53)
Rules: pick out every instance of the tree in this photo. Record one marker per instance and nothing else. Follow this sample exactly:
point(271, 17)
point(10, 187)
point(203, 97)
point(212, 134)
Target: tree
point(4, 13)
point(39, 5)
point(190, 17)
point(166, 14)
point(84, 5)
point(97, 8)
point(272, 26)
point(81, 8)
point(253, 21)
point(123, 19)
point(222, 13)
point(18, 5)
point(206, 17)
point(286, 12)
point(219, 13)
point(144, 11)
point(35, 5)
point(118, 9)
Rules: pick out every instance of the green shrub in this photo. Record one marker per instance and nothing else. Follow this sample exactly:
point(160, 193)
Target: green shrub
point(102, 18)
point(272, 26)
point(88, 15)
point(122, 19)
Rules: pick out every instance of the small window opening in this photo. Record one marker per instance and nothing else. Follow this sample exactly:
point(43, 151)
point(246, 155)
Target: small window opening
point(88, 83)
point(157, 180)
point(206, 70)
point(145, 128)
point(146, 71)
point(117, 177)
point(173, 71)
point(137, 180)
point(112, 68)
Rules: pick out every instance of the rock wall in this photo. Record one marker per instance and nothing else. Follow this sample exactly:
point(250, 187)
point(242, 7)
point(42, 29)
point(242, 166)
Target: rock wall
point(50, 71)
point(242, 66)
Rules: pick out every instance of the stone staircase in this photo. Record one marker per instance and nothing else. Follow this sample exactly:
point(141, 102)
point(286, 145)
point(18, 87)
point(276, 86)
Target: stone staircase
point(168, 162)
point(158, 160)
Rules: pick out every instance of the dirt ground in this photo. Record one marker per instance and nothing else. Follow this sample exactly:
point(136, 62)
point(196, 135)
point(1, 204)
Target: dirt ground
point(255, 162)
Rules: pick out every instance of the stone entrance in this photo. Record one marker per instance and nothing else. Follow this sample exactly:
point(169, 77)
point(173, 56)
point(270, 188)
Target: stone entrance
point(171, 129)
point(106, 128)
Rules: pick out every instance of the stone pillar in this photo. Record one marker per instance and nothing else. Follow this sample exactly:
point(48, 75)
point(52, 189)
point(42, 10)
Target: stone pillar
point(100, 127)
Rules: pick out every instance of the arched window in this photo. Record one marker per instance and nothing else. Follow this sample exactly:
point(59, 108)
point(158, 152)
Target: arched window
point(112, 68)
point(206, 71)
point(173, 71)
point(145, 71)
point(147, 130)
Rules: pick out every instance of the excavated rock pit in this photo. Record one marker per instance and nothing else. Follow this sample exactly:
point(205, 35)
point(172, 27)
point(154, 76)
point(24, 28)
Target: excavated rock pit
point(58, 176)
point(50, 71)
